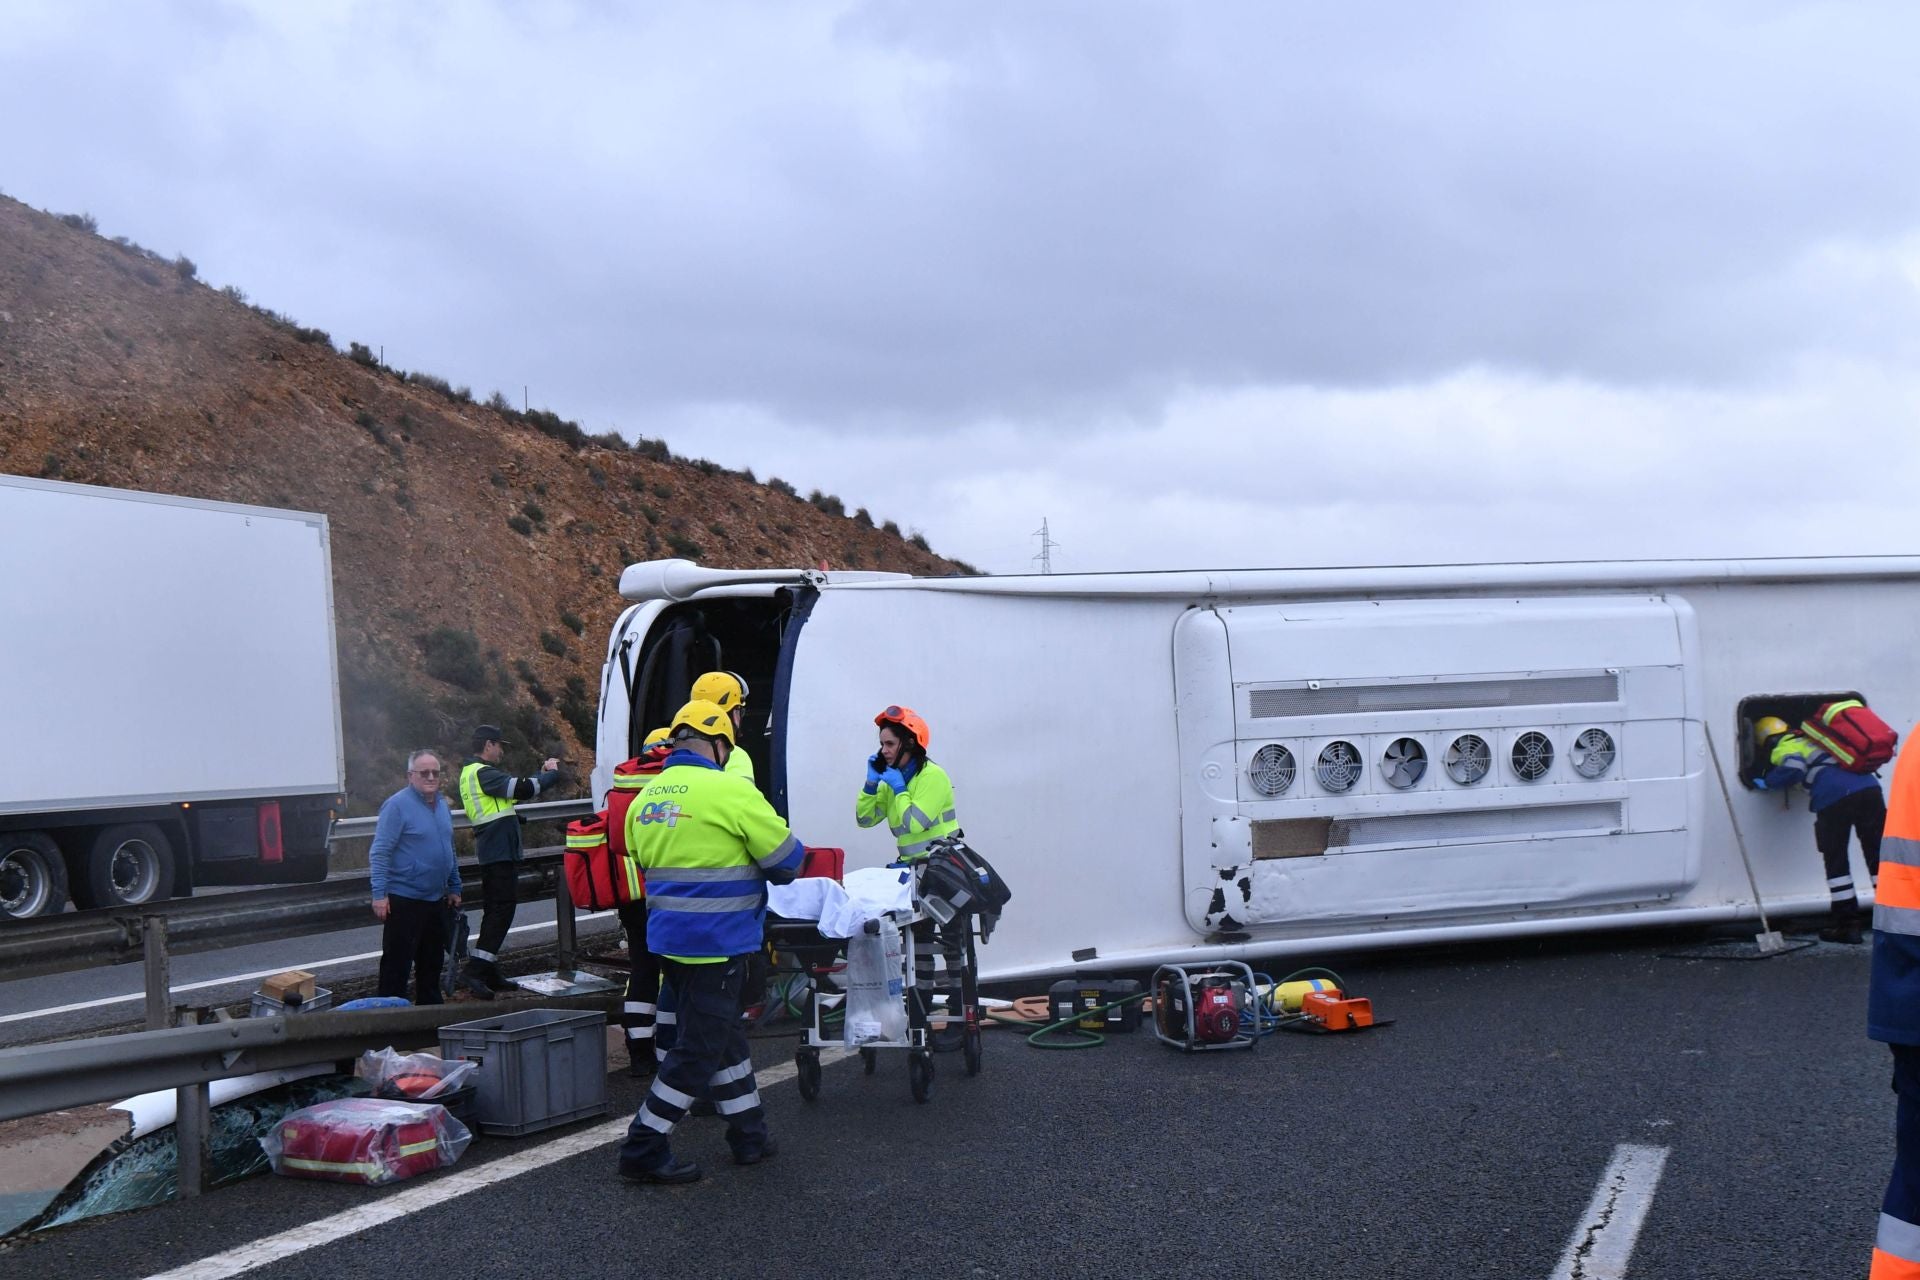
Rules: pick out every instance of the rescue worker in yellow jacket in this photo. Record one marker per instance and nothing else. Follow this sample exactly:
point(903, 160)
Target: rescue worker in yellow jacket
point(728, 692)
point(914, 797)
point(1842, 803)
point(1893, 1014)
point(709, 843)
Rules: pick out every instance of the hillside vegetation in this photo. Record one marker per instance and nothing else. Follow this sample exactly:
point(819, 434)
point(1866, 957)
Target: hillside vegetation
point(476, 549)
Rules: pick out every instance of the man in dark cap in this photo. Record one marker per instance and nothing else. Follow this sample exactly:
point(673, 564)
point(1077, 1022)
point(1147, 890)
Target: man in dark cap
point(488, 794)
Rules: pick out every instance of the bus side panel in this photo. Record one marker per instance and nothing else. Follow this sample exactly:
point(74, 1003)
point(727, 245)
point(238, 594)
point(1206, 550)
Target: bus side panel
point(1455, 759)
point(1054, 718)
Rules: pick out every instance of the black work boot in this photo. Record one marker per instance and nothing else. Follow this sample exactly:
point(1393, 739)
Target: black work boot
point(672, 1173)
point(1845, 927)
point(474, 981)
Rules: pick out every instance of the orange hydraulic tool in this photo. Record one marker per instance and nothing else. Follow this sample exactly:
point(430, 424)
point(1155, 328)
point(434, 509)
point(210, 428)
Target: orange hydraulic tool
point(1336, 1012)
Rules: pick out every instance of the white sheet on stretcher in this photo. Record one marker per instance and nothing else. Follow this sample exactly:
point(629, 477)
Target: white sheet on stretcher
point(869, 893)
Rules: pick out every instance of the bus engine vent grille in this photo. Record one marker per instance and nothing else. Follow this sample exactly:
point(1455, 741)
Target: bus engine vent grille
point(1338, 767)
point(1272, 769)
point(1532, 756)
point(1436, 695)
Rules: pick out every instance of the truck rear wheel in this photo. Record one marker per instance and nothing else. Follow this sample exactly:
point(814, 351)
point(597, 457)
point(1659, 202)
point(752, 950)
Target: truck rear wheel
point(126, 866)
point(33, 875)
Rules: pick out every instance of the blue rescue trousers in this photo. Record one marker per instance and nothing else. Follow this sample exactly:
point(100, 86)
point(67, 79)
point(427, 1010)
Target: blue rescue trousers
point(708, 1057)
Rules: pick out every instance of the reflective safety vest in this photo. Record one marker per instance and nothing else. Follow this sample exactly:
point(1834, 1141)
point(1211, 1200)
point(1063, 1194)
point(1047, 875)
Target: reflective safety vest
point(481, 808)
point(917, 816)
point(1893, 991)
point(708, 843)
point(740, 764)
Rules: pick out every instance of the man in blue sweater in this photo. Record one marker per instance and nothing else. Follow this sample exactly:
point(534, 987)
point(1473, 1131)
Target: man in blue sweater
point(414, 881)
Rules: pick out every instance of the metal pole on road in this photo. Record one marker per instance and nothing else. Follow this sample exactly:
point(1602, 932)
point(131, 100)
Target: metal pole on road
point(563, 928)
point(192, 1128)
point(153, 940)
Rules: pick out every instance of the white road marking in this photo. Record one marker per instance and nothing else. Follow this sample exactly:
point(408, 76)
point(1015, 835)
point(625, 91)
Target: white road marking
point(428, 1194)
point(1602, 1244)
point(308, 965)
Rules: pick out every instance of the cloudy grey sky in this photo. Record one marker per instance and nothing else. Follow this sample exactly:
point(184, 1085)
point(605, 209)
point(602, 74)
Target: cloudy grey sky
point(1229, 284)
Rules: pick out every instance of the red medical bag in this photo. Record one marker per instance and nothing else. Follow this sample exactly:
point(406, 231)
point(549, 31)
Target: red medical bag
point(371, 1141)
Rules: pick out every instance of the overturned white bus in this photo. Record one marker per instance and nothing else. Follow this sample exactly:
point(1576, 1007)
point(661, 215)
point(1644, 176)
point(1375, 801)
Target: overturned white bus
point(1187, 765)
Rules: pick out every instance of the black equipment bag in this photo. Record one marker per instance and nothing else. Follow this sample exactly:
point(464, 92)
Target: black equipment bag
point(958, 881)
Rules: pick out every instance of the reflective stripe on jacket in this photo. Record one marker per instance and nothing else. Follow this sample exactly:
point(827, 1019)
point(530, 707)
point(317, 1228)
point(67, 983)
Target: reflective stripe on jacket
point(1893, 991)
point(1800, 760)
point(481, 808)
point(708, 843)
point(917, 816)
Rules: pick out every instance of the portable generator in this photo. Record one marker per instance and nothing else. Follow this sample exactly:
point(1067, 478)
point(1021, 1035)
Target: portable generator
point(1199, 1008)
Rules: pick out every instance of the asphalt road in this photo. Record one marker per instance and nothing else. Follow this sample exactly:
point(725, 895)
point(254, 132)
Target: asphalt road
point(64, 1005)
point(1464, 1140)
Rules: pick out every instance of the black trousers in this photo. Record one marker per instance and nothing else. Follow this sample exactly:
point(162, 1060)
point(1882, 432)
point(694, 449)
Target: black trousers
point(710, 1058)
point(415, 938)
point(1863, 813)
point(498, 897)
point(641, 1009)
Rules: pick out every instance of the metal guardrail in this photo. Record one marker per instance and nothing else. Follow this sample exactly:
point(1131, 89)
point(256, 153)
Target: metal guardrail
point(73, 1073)
point(542, 811)
point(115, 935)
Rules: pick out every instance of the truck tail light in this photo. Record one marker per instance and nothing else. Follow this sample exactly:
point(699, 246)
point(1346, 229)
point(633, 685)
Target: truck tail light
point(271, 847)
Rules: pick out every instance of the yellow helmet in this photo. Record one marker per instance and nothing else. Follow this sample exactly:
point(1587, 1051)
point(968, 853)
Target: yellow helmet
point(655, 738)
point(1767, 727)
point(703, 718)
point(722, 688)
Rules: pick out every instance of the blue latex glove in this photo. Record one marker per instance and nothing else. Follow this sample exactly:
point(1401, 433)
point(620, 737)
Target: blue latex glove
point(1759, 784)
point(873, 774)
point(893, 779)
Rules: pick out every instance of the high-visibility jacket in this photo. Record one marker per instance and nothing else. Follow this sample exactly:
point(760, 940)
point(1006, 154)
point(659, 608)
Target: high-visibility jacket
point(1893, 992)
point(917, 816)
point(487, 793)
point(1798, 759)
point(740, 764)
point(709, 843)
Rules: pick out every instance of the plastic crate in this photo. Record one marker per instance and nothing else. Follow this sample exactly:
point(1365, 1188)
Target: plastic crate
point(268, 1007)
point(538, 1068)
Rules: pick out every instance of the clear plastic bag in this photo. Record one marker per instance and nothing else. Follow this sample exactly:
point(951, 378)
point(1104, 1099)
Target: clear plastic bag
point(876, 986)
point(371, 1141)
point(417, 1077)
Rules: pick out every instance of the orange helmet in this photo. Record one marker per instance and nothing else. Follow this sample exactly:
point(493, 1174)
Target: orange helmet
point(908, 719)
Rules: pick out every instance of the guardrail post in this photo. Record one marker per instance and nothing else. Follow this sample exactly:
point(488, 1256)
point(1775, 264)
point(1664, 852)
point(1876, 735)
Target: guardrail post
point(563, 927)
point(192, 1130)
point(153, 942)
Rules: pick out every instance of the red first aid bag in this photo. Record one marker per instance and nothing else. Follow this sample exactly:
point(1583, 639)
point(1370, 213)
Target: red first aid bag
point(629, 780)
point(1858, 740)
point(371, 1141)
point(589, 867)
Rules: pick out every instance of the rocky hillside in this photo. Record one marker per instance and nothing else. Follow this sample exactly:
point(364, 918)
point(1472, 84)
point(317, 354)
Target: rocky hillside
point(476, 549)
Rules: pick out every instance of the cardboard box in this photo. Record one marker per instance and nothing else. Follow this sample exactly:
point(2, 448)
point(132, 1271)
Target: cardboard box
point(295, 986)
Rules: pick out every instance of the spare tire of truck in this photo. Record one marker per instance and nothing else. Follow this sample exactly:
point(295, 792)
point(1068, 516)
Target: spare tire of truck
point(126, 866)
point(33, 875)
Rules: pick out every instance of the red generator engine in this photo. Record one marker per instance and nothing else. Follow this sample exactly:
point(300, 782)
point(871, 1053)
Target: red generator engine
point(1199, 1008)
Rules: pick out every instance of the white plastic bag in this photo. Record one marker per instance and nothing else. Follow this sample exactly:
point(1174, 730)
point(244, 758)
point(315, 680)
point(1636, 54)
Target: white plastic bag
point(876, 987)
point(421, 1077)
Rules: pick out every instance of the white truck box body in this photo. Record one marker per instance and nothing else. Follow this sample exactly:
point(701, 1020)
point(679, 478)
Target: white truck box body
point(1101, 732)
point(160, 649)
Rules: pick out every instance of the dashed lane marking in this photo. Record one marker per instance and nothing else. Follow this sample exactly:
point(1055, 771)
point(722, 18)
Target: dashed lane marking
point(1602, 1244)
point(309, 966)
point(427, 1195)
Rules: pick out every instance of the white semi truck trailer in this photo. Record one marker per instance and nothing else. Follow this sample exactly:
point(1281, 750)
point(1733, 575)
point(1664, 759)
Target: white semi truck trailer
point(169, 695)
point(1196, 765)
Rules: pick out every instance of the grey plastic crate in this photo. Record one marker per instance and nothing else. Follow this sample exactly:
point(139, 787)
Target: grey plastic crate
point(268, 1007)
point(538, 1067)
